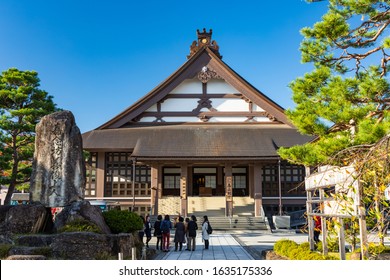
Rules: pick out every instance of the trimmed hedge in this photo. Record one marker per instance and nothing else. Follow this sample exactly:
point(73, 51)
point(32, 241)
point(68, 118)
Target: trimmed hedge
point(293, 251)
point(122, 221)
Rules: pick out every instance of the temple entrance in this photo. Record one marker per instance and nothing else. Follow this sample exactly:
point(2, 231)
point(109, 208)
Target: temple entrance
point(204, 181)
point(204, 185)
point(199, 183)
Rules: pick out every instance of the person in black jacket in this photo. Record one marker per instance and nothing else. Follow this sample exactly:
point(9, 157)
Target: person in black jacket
point(179, 234)
point(141, 232)
point(148, 230)
point(157, 232)
point(191, 228)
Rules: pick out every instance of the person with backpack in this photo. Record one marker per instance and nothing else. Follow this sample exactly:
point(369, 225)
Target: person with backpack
point(206, 231)
point(166, 226)
point(157, 232)
point(191, 231)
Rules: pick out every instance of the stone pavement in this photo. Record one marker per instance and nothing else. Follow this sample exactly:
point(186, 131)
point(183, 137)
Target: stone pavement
point(237, 245)
point(223, 246)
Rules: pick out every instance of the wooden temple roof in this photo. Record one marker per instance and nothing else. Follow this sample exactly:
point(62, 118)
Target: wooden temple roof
point(196, 141)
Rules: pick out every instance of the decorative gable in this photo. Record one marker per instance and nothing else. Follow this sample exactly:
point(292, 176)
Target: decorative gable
point(203, 90)
point(204, 99)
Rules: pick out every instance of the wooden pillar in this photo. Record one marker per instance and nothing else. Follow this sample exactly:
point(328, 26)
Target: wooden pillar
point(258, 189)
point(154, 189)
point(361, 212)
point(323, 225)
point(309, 210)
point(251, 176)
point(310, 221)
point(183, 190)
point(341, 239)
point(100, 174)
point(159, 181)
point(220, 183)
point(190, 182)
point(229, 190)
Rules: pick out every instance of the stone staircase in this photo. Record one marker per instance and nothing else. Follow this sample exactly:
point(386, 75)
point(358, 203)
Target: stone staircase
point(226, 223)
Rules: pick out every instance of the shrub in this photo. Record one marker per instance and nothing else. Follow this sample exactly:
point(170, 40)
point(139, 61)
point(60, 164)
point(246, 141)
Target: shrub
point(293, 251)
point(333, 244)
point(4, 249)
point(318, 246)
point(305, 246)
point(80, 225)
point(282, 247)
point(122, 221)
point(376, 249)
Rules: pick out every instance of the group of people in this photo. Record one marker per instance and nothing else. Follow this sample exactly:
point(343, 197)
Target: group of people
point(185, 232)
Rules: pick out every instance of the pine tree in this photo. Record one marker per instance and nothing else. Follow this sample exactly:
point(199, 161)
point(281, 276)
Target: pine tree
point(345, 100)
point(22, 104)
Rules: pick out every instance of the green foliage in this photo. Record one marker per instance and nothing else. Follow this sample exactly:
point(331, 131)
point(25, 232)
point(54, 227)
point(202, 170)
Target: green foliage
point(333, 244)
point(376, 249)
point(318, 246)
point(293, 251)
point(122, 221)
point(304, 246)
point(22, 105)
point(352, 232)
point(4, 249)
point(80, 225)
point(283, 246)
point(343, 102)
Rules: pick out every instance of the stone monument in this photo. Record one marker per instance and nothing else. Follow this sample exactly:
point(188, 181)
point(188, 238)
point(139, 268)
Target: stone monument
point(58, 176)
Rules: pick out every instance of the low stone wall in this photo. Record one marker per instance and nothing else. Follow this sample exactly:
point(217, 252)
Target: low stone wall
point(78, 245)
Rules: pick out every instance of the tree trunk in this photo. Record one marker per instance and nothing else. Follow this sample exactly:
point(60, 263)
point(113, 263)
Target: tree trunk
point(14, 174)
point(378, 210)
point(12, 184)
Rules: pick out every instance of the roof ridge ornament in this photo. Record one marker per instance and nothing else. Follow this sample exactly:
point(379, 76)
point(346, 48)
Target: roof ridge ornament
point(204, 40)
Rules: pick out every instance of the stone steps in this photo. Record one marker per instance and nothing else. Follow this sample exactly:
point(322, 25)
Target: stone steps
point(224, 223)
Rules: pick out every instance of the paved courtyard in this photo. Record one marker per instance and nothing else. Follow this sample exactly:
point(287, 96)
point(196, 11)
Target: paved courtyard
point(237, 245)
point(223, 246)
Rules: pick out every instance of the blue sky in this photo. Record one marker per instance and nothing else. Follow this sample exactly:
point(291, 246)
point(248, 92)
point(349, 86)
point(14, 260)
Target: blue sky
point(96, 58)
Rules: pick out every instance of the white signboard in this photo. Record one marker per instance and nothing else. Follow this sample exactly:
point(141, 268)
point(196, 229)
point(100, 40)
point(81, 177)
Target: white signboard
point(387, 193)
point(342, 183)
point(330, 176)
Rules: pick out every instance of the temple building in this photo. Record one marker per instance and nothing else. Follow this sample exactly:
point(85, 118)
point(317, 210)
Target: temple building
point(203, 141)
